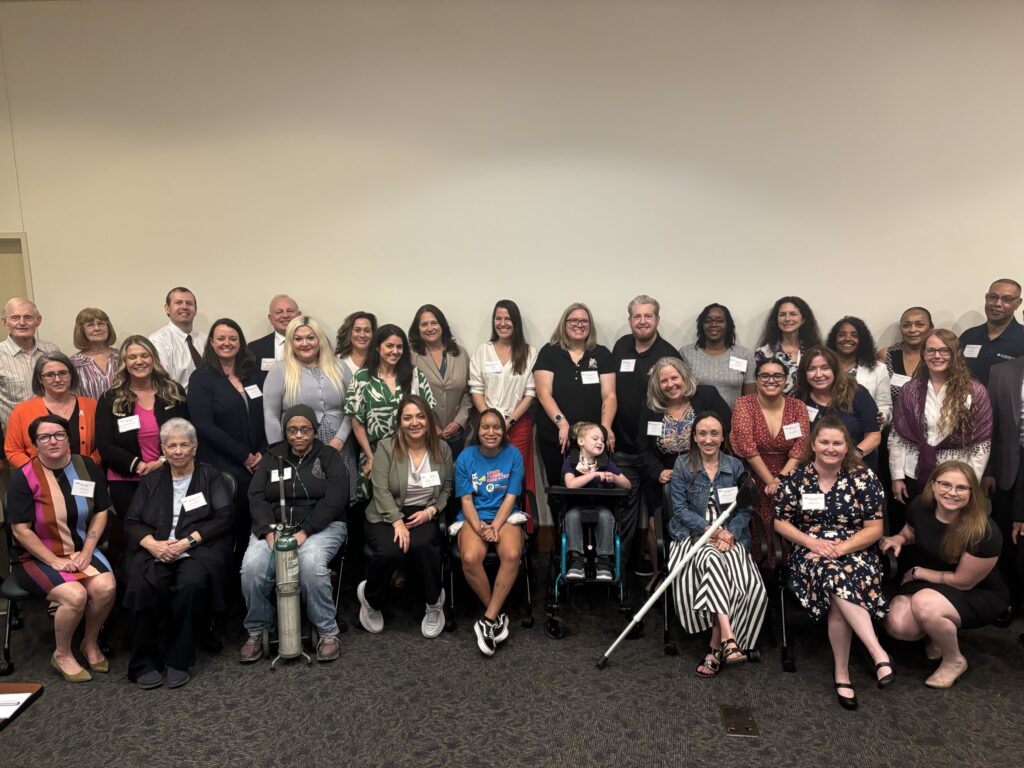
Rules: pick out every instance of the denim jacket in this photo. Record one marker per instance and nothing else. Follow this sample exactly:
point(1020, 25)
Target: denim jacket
point(690, 490)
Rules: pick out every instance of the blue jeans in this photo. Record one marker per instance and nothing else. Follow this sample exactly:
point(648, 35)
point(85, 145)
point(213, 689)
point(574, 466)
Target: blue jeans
point(605, 531)
point(259, 576)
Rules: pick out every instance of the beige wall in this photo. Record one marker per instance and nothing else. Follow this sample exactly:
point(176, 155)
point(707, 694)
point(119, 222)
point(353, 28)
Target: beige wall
point(866, 155)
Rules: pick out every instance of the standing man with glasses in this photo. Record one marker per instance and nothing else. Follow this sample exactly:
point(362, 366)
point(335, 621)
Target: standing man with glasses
point(1001, 338)
point(179, 347)
point(18, 354)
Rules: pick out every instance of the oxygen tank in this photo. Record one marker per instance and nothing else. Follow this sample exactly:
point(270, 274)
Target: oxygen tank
point(289, 599)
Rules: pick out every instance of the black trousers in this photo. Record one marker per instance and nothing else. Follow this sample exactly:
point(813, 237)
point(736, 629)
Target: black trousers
point(896, 511)
point(179, 603)
point(423, 561)
point(1011, 560)
point(121, 494)
point(629, 512)
point(552, 459)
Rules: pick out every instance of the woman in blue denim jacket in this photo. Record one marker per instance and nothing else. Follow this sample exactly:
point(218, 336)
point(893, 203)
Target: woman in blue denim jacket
point(721, 588)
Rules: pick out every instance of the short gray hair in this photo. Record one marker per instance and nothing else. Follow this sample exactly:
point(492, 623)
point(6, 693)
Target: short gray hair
point(643, 298)
point(176, 425)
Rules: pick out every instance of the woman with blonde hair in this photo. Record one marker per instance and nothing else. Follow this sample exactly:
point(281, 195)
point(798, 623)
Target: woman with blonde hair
point(954, 583)
point(942, 414)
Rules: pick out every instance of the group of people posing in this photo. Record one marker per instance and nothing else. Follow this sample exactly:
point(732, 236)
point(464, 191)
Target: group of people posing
point(175, 450)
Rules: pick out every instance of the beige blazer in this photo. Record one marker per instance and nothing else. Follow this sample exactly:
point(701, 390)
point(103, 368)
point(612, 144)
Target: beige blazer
point(390, 478)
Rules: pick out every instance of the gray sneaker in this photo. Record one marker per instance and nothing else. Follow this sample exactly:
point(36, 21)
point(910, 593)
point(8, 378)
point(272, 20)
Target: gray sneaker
point(177, 677)
point(433, 619)
point(328, 649)
point(574, 570)
point(371, 619)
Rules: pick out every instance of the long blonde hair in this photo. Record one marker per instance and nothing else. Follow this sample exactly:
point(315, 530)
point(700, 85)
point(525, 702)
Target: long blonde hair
point(326, 361)
point(971, 525)
point(167, 389)
point(955, 414)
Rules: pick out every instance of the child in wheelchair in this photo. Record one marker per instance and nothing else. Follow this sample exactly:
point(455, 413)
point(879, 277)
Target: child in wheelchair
point(589, 466)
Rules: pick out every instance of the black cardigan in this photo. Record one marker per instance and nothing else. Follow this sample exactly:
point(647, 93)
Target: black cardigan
point(654, 461)
point(120, 450)
point(150, 513)
point(228, 430)
point(317, 489)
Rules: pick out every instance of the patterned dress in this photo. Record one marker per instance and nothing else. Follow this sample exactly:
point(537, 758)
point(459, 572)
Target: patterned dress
point(372, 402)
point(46, 500)
point(750, 437)
point(855, 498)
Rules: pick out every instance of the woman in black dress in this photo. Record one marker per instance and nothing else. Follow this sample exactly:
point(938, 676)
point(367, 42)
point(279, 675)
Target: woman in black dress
point(954, 583)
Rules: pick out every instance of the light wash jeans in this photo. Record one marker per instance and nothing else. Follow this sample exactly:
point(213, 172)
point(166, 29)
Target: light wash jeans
point(259, 576)
point(604, 533)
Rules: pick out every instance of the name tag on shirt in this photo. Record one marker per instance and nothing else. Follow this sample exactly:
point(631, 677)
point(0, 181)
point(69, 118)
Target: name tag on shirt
point(654, 428)
point(590, 377)
point(253, 391)
point(792, 431)
point(727, 495)
point(430, 480)
point(812, 414)
point(193, 502)
point(812, 500)
point(128, 424)
point(84, 488)
point(737, 364)
point(972, 350)
point(276, 477)
point(492, 366)
point(898, 380)
point(627, 366)
point(266, 363)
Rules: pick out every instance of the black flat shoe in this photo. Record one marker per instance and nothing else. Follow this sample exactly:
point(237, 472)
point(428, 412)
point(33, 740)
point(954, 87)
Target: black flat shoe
point(885, 682)
point(846, 702)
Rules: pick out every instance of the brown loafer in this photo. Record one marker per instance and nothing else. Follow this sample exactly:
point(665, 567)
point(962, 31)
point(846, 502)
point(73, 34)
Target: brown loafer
point(251, 650)
point(329, 648)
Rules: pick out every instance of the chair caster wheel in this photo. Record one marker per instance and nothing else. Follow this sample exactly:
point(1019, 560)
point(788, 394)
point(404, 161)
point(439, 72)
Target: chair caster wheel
point(554, 628)
point(788, 665)
point(450, 625)
point(527, 622)
point(754, 656)
point(6, 667)
point(18, 623)
point(602, 662)
point(671, 649)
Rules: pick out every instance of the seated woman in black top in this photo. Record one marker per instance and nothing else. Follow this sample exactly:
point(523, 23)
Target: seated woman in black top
point(954, 583)
point(179, 549)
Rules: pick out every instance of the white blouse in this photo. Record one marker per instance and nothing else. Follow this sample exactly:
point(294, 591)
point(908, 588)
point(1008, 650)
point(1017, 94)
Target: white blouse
point(502, 389)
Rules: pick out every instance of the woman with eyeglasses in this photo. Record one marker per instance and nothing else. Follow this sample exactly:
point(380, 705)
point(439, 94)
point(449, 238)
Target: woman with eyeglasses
point(716, 359)
point(942, 415)
point(96, 358)
point(769, 432)
point(954, 547)
point(789, 329)
point(575, 381)
point(54, 382)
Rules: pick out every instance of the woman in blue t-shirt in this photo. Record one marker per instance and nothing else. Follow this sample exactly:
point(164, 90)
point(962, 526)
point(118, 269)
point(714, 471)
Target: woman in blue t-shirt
point(488, 479)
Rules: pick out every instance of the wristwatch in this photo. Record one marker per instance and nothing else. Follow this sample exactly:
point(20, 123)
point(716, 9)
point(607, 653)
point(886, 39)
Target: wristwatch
point(192, 542)
point(913, 573)
point(559, 418)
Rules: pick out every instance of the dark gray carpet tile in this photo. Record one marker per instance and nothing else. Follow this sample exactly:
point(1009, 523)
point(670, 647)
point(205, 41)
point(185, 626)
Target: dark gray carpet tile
point(397, 699)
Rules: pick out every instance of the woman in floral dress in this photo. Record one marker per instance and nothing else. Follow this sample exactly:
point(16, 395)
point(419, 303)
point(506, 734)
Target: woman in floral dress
point(830, 509)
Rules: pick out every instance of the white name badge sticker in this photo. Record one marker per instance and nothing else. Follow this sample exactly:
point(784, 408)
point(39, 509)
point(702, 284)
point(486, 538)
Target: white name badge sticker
point(276, 477)
point(266, 363)
point(654, 428)
point(430, 480)
point(253, 391)
point(627, 366)
point(128, 424)
point(737, 364)
point(84, 488)
point(812, 500)
point(590, 377)
point(972, 350)
point(492, 366)
point(812, 413)
point(727, 495)
point(194, 501)
point(898, 380)
point(792, 431)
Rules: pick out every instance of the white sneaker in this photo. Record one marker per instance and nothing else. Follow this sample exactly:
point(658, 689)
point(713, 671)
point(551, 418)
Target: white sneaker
point(371, 619)
point(501, 628)
point(433, 619)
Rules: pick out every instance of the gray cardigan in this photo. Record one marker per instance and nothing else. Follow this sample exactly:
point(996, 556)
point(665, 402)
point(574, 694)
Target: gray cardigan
point(321, 396)
point(390, 478)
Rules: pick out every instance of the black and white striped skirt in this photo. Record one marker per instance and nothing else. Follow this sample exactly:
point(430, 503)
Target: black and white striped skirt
point(719, 582)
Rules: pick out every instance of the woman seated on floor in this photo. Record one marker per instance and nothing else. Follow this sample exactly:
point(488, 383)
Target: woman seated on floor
point(488, 480)
point(179, 549)
point(954, 583)
point(721, 588)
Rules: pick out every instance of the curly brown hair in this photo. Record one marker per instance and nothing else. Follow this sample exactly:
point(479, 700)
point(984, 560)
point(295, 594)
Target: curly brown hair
point(955, 413)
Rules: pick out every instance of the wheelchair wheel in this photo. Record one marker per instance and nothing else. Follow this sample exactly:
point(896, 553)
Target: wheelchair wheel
point(554, 628)
point(527, 622)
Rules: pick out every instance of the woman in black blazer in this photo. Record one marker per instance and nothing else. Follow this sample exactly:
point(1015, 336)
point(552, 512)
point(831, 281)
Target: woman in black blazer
point(128, 419)
point(179, 550)
point(225, 402)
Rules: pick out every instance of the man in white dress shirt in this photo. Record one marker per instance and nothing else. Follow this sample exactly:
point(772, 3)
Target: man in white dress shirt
point(18, 353)
point(180, 348)
point(270, 348)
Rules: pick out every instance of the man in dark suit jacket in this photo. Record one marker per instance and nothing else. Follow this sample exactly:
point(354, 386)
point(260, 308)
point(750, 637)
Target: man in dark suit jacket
point(1004, 480)
point(270, 348)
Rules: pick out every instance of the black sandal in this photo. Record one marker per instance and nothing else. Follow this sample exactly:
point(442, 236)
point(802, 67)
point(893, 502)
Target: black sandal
point(846, 702)
point(885, 682)
point(712, 665)
point(731, 652)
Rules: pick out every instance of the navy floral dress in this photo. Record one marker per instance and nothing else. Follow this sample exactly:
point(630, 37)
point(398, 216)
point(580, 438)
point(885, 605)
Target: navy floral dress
point(854, 499)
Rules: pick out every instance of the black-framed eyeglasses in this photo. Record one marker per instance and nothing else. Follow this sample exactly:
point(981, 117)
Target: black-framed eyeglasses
point(995, 298)
point(577, 323)
point(54, 375)
point(940, 352)
point(766, 377)
point(297, 431)
point(52, 437)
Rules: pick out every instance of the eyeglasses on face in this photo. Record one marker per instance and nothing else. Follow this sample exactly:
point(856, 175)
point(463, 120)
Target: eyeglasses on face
point(766, 377)
point(938, 352)
point(578, 323)
point(297, 431)
point(947, 487)
point(995, 298)
point(52, 437)
point(54, 375)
